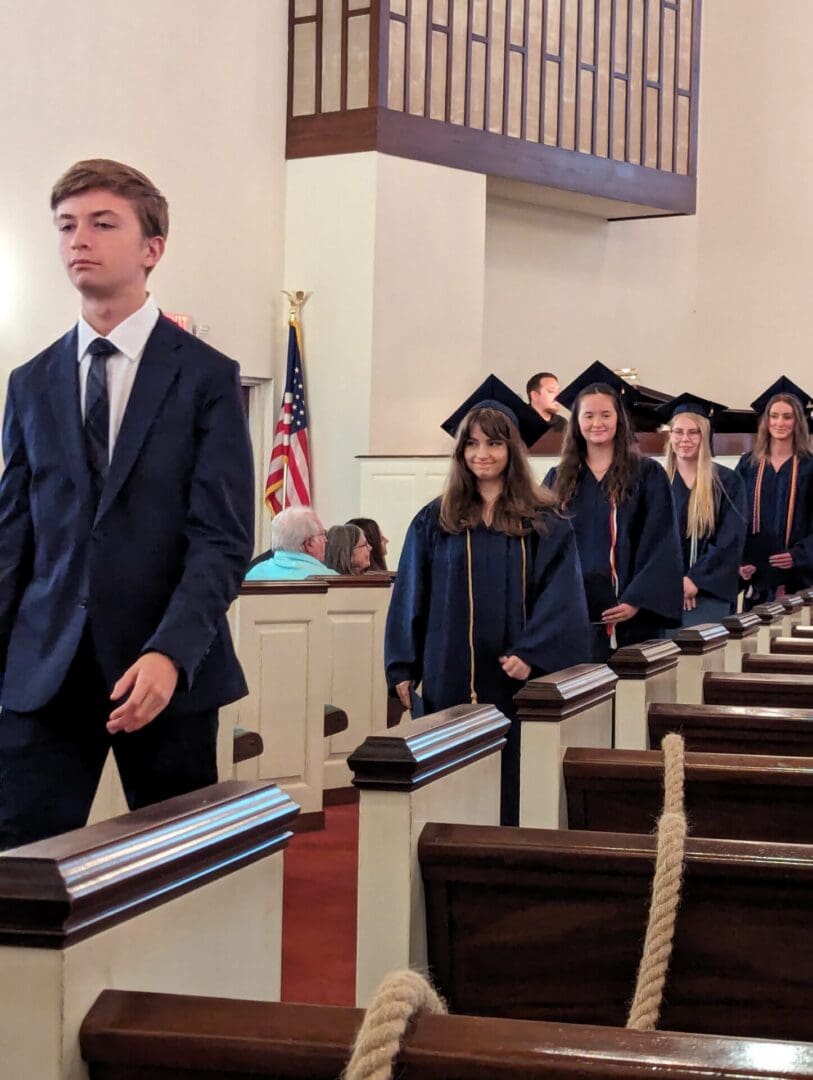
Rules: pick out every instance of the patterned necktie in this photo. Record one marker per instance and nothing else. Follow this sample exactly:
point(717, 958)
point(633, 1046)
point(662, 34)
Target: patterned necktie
point(97, 412)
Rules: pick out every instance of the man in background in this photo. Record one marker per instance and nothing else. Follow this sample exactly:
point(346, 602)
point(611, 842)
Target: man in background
point(126, 524)
point(542, 390)
point(297, 552)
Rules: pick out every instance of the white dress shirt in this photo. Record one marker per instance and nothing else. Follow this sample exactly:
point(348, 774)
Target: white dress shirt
point(130, 338)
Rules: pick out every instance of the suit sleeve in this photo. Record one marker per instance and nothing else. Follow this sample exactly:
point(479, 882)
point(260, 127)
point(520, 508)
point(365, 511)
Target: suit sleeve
point(408, 613)
point(219, 530)
point(16, 528)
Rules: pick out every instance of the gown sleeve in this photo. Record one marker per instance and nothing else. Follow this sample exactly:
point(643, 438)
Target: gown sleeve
point(802, 549)
point(717, 568)
point(407, 617)
point(656, 583)
point(557, 634)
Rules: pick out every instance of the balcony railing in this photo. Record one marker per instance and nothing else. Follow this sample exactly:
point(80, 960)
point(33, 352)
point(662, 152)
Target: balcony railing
point(594, 96)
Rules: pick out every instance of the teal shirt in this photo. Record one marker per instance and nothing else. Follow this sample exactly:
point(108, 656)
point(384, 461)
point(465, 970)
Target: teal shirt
point(289, 566)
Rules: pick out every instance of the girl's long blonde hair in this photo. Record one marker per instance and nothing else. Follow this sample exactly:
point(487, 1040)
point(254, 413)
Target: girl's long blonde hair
point(702, 513)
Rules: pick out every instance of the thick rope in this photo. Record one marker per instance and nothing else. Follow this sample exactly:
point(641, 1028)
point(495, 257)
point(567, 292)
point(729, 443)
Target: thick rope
point(401, 995)
point(646, 1004)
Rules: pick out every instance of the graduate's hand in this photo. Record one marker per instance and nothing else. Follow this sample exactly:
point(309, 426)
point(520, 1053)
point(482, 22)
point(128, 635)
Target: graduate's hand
point(747, 571)
point(402, 690)
point(782, 561)
point(619, 613)
point(148, 685)
point(689, 594)
point(515, 668)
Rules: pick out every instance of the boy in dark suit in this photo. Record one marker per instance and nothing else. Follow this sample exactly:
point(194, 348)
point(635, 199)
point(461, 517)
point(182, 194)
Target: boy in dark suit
point(126, 525)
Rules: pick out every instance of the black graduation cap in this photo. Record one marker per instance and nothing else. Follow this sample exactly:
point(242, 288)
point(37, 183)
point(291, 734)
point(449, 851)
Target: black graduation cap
point(494, 394)
point(690, 403)
point(600, 373)
point(783, 385)
point(640, 401)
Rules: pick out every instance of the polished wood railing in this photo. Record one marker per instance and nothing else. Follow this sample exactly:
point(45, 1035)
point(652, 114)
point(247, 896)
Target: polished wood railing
point(594, 96)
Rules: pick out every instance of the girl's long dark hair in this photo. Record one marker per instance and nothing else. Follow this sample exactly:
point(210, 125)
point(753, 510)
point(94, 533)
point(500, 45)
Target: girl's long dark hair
point(620, 477)
point(372, 531)
point(522, 504)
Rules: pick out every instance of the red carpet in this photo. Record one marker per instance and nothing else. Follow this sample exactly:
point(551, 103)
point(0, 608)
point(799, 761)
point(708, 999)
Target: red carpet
point(319, 912)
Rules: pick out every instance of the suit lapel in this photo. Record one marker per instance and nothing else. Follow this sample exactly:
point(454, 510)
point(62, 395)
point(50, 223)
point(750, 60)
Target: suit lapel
point(156, 372)
point(63, 389)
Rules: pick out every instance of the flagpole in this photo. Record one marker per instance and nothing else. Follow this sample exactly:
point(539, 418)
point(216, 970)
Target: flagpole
point(295, 302)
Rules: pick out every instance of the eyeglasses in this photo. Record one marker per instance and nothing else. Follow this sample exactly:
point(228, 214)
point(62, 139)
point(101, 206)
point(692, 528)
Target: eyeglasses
point(362, 544)
point(692, 433)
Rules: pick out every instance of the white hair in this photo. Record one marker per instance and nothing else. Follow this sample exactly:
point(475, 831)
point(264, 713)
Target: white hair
point(292, 527)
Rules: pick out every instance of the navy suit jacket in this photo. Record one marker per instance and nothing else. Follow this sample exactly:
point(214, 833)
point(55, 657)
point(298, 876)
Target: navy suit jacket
point(157, 564)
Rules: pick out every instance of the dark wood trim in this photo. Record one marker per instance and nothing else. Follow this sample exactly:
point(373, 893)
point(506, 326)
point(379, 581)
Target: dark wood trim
point(791, 603)
point(701, 639)
point(153, 1034)
point(779, 664)
point(769, 613)
point(358, 581)
point(698, 767)
point(800, 646)
point(277, 588)
point(60, 891)
point(734, 729)
point(313, 821)
point(422, 139)
point(645, 660)
point(804, 633)
point(416, 752)
point(340, 796)
point(552, 698)
point(246, 745)
point(743, 625)
point(756, 691)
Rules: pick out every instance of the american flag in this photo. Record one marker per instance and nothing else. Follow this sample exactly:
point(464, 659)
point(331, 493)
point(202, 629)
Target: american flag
point(289, 474)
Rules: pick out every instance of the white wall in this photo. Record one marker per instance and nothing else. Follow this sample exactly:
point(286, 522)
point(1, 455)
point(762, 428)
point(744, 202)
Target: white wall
point(190, 91)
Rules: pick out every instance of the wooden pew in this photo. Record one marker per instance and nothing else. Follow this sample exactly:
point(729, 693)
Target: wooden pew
point(729, 796)
point(742, 638)
point(444, 767)
point(549, 925)
point(183, 896)
point(702, 649)
point(806, 616)
point(794, 646)
point(756, 690)
point(131, 1036)
point(772, 620)
point(779, 664)
point(573, 707)
point(793, 607)
point(735, 729)
point(646, 673)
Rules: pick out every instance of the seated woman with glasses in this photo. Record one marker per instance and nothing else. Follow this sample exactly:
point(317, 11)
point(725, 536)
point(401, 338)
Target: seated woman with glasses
point(711, 509)
point(377, 540)
point(347, 550)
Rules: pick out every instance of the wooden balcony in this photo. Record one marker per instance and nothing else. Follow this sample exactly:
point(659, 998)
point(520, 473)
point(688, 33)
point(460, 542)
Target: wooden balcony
point(584, 104)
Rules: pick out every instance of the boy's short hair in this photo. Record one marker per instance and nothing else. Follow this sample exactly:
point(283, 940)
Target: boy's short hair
point(149, 204)
point(535, 380)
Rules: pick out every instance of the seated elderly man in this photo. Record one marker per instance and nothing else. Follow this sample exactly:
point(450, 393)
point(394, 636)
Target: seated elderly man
point(297, 546)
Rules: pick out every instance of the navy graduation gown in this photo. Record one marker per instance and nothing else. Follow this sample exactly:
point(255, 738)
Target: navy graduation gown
point(773, 518)
point(648, 557)
point(716, 569)
point(427, 636)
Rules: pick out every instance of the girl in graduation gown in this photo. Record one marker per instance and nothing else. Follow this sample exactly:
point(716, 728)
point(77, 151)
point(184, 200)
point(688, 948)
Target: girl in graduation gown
point(778, 476)
point(711, 510)
point(488, 591)
point(624, 519)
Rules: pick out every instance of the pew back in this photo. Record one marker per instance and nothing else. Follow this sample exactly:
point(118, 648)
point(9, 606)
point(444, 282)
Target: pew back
point(739, 797)
point(548, 925)
point(735, 729)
